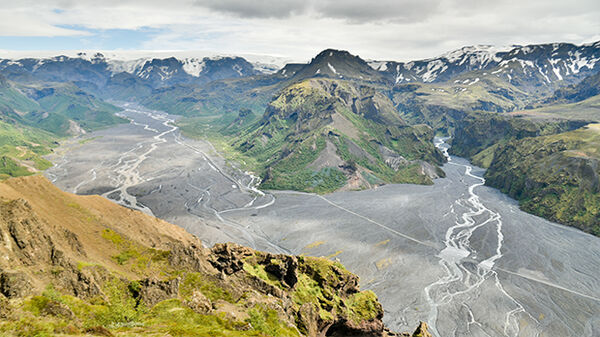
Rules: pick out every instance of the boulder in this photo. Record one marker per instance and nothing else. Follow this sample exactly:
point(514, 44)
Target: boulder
point(153, 291)
point(199, 303)
point(229, 257)
point(14, 284)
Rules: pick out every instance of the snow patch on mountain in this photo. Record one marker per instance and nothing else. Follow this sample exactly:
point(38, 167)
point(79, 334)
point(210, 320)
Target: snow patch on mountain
point(331, 68)
point(132, 61)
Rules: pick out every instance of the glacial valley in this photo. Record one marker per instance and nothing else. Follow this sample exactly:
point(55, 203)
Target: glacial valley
point(456, 254)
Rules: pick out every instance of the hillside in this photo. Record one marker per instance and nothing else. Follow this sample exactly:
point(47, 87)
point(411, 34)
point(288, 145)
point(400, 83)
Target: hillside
point(588, 87)
point(554, 176)
point(321, 135)
point(22, 149)
point(478, 135)
point(75, 265)
point(34, 117)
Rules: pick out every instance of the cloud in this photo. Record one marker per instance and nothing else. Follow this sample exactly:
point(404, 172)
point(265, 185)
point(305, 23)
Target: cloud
point(386, 29)
point(358, 11)
point(256, 8)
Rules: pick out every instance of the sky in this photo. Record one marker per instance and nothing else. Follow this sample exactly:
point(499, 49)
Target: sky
point(398, 30)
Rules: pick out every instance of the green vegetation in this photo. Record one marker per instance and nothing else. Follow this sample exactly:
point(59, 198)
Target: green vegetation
point(477, 134)
point(444, 105)
point(302, 141)
point(267, 322)
point(137, 257)
point(215, 98)
point(553, 176)
point(327, 286)
point(173, 318)
point(22, 149)
point(33, 117)
point(210, 289)
point(258, 271)
point(316, 285)
point(363, 306)
point(587, 109)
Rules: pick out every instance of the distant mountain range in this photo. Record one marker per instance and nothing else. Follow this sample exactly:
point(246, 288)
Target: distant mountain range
point(547, 62)
point(97, 69)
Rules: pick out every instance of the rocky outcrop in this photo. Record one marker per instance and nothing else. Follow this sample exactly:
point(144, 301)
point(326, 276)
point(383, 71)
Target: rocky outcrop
point(14, 284)
point(229, 258)
point(152, 290)
point(199, 303)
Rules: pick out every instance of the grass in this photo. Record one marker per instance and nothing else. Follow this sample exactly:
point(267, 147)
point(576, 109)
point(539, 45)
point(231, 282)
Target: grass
point(553, 176)
point(138, 258)
point(363, 306)
point(22, 149)
point(293, 133)
point(120, 310)
point(588, 109)
point(267, 322)
point(258, 271)
point(210, 289)
point(314, 244)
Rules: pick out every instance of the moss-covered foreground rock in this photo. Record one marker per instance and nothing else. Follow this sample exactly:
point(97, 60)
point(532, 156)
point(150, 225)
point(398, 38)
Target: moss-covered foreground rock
point(74, 266)
point(555, 176)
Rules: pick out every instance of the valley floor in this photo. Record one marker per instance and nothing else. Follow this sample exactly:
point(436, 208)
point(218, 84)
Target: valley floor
point(458, 255)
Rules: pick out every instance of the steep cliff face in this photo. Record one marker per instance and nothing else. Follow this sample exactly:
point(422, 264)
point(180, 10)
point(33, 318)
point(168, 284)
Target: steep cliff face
point(474, 136)
point(555, 176)
point(72, 265)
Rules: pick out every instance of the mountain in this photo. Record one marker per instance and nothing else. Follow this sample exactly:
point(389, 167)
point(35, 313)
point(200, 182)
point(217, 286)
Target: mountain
point(444, 105)
point(477, 136)
point(75, 265)
point(339, 64)
point(588, 87)
point(60, 108)
point(254, 92)
point(554, 176)
point(34, 117)
point(548, 63)
point(94, 72)
point(443, 90)
point(166, 72)
point(22, 148)
point(323, 134)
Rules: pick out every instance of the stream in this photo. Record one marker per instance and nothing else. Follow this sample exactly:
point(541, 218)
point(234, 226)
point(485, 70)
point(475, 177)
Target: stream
point(458, 254)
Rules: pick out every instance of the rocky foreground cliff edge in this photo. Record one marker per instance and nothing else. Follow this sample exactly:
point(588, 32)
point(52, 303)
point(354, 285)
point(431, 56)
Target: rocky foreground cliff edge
point(79, 265)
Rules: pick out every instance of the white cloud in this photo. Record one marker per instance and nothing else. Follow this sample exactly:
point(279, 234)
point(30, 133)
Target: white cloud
point(389, 29)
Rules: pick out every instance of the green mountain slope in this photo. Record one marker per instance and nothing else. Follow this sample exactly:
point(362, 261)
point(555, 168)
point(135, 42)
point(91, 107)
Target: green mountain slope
point(215, 98)
point(65, 109)
point(34, 116)
point(587, 109)
point(444, 105)
point(322, 134)
point(555, 176)
point(478, 135)
point(21, 150)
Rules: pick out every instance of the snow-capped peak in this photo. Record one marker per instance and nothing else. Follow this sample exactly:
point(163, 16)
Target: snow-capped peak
point(133, 61)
